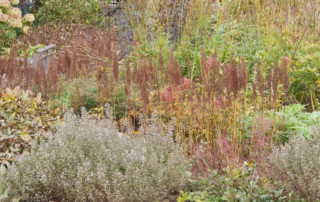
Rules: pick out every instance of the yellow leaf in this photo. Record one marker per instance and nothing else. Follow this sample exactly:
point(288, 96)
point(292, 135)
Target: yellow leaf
point(25, 129)
point(25, 136)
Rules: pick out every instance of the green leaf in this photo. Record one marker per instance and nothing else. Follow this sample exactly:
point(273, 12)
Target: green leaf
point(224, 198)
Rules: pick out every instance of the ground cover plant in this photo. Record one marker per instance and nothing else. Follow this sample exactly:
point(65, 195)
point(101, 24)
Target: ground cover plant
point(237, 184)
point(234, 81)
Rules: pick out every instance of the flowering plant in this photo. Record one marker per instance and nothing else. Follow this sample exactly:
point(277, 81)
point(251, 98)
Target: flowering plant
point(12, 22)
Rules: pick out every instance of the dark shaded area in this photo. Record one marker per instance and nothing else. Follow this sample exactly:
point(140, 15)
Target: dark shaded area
point(28, 6)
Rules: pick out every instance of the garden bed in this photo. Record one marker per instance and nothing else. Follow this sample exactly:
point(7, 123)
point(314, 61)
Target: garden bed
point(187, 100)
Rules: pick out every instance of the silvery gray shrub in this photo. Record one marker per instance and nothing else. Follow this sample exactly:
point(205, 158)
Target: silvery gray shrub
point(89, 160)
point(297, 165)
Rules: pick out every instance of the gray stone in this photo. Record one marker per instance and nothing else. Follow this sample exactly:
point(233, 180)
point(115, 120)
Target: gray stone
point(3, 81)
point(43, 57)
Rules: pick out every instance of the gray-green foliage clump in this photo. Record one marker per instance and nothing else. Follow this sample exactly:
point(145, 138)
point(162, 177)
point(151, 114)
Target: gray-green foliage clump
point(297, 165)
point(89, 160)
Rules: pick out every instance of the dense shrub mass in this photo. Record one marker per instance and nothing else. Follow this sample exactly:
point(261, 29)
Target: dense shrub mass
point(24, 118)
point(297, 165)
point(90, 160)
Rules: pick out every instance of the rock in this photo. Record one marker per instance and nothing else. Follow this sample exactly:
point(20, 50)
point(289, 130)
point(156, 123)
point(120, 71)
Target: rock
point(43, 57)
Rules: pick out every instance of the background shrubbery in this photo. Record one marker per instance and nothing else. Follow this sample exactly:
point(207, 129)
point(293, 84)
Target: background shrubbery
point(85, 11)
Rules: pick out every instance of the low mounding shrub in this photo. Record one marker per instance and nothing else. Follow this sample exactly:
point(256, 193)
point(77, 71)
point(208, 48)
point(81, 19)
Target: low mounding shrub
point(89, 160)
point(297, 165)
point(24, 118)
point(243, 184)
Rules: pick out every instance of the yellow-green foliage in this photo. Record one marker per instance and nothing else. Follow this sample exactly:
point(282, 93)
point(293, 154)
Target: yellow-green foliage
point(24, 118)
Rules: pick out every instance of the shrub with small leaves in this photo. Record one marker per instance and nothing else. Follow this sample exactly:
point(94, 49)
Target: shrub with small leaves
point(297, 165)
point(89, 160)
point(24, 118)
point(243, 184)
